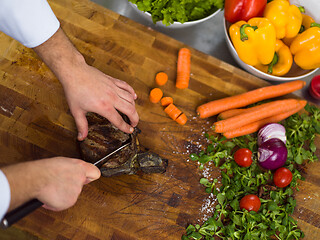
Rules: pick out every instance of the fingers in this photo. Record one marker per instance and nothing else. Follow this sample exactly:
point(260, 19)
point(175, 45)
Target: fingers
point(125, 86)
point(115, 118)
point(82, 124)
point(92, 172)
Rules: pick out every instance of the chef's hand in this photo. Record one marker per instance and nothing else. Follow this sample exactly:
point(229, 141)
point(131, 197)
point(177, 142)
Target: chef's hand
point(56, 182)
point(89, 90)
point(86, 88)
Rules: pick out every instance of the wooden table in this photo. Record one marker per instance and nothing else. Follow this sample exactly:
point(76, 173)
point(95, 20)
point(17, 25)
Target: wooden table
point(35, 122)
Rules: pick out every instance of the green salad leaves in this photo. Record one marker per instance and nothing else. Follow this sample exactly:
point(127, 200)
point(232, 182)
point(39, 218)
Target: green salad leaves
point(273, 220)
point(181, 11)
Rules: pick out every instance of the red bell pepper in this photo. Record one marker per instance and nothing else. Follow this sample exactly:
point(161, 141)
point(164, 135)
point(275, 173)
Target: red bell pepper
point(236, 10)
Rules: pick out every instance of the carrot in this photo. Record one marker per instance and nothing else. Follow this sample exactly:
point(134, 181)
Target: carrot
point(234, 112)
point(165, 101)
point(172, 111)
point(183, 68)
point(217, 106)
point(155, 95)
point(182, 119)
point(161, 78)
point(265, 110)
point(231, 113)
point(255, 126)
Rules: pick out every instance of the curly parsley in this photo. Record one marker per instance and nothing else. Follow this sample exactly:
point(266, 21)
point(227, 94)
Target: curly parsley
point(273, 220)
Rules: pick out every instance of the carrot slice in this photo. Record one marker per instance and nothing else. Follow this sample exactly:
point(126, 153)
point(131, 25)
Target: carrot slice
point(255, 126)
point(182, 119)
point(161, 78)
point(165, 101)
point(155, 95)
point(264, 111)
point(172, 111)
point(183, 68)
point(214, 107)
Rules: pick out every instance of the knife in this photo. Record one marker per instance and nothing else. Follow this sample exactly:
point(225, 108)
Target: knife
point(28, 207)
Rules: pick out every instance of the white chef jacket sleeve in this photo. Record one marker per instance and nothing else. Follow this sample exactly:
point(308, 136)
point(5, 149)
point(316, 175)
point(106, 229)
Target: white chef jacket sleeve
point(31, 22)
point(4, 194)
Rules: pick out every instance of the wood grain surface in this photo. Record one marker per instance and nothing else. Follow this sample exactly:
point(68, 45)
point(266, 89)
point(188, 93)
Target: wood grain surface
point(35, 122)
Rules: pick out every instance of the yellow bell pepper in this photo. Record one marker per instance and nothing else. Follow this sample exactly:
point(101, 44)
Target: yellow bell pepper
point(254, 40)
point(281, 63)
point(306, 48)
point(286, 18)
point(306, 24)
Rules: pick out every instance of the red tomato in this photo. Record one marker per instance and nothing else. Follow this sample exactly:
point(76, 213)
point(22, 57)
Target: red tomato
point(236, 10)
point(250, 202)
point(243, 157)
point(282, 177)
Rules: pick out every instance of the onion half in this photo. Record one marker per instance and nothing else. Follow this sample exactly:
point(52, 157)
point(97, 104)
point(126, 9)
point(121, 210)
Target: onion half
point(272, 130)
point(272, 154)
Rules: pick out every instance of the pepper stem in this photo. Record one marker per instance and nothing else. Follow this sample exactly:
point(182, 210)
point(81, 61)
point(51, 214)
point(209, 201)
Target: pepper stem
point(302, 9)
point(314, 24)
point(302, 28)
point(243, 35)
point(273, 62)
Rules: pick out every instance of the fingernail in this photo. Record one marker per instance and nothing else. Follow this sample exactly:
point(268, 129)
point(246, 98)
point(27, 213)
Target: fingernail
point(135, 96)
point(131, 129)
point(79, 135)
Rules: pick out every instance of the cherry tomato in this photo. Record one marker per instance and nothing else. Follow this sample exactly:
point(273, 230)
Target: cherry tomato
point(250, 202)
point(282, 177)
point(243, 157)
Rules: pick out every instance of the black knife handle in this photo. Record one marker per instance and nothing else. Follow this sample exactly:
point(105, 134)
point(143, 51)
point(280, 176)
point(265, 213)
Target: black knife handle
point(20, 212)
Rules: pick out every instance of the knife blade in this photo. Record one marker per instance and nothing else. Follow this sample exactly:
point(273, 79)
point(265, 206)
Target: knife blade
point(104, 159)
point(22, 211)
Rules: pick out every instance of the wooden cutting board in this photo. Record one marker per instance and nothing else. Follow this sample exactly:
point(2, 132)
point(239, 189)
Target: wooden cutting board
point(35, 123)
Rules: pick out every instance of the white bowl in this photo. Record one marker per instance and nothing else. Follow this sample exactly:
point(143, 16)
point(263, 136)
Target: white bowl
point(295, 72)
point(175, 25)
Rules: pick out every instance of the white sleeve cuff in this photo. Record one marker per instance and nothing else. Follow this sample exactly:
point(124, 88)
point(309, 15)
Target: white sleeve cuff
point(31, 22)
point(4, 195)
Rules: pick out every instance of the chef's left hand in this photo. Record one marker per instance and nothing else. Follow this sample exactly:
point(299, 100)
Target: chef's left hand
point(86, 88)
point(89, 90)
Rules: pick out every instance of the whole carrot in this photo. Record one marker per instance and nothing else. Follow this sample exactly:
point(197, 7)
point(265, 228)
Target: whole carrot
point(217, 106)
point(255, 126)
point(183, 68)
point(265, 110)
point(234, 112)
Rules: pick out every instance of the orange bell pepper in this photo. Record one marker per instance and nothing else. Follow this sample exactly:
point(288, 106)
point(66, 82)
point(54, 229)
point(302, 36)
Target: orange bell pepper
point(281, 63)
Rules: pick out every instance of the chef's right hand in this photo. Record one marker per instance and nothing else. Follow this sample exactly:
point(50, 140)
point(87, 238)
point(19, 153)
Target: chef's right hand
point(56, 182)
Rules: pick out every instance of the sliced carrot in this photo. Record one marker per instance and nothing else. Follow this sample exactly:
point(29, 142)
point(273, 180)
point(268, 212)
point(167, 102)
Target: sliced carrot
point(255, 126)
point(265, 110)
point(165, 101)
point(234, 112)
point(217, 106)
point(172, 111)
point(183, 68)
point(182, 119)
point(161, 78)
point(155, 95)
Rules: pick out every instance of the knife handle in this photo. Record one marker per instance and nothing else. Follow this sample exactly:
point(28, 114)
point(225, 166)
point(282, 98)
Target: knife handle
point(20, 212)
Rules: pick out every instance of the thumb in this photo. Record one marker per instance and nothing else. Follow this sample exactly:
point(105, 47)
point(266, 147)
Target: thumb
point(92, 172)
point(82, 125)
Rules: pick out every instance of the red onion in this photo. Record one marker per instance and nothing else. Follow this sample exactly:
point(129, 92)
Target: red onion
point(272, 154)
point(271, 130)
